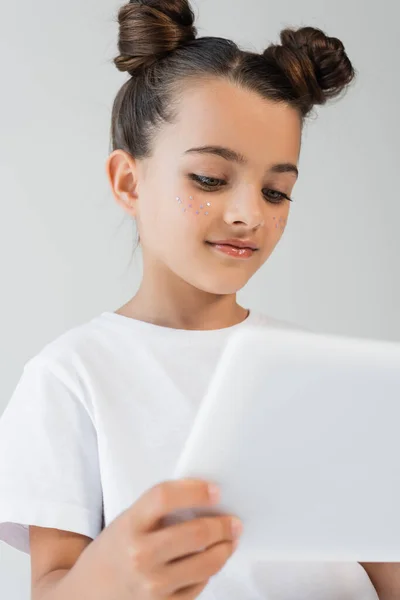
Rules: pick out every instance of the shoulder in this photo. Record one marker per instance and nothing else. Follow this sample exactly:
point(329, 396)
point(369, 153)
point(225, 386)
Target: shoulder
point(74, 354)
point(72, 342)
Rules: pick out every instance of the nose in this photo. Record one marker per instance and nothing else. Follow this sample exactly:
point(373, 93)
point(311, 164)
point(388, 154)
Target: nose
point(245, 209)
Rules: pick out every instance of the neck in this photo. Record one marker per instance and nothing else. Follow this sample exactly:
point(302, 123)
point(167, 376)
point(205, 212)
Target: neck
point(171, 302)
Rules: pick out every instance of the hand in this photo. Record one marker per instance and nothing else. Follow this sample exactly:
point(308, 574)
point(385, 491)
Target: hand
point(148, 562)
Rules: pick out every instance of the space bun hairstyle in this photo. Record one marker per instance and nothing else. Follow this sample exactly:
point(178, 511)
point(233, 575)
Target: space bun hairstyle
point(151, 30)
point(159, 48)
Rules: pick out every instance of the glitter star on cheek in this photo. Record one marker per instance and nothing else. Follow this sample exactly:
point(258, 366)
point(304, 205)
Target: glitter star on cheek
point(184, 209)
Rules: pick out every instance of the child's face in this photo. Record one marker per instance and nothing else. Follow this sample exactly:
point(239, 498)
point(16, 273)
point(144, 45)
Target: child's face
point(178, 218)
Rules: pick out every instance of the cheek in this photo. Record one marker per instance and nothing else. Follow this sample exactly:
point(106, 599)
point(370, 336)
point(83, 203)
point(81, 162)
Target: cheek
point(279, 223)
point(191, 207)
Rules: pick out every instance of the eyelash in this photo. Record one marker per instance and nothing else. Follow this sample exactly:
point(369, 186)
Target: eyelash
point(201, 180)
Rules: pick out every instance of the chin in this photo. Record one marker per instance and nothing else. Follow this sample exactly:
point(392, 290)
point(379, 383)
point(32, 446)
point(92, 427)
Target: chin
point(221, 286)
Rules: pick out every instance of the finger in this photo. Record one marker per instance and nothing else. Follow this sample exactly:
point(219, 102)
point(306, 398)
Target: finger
point(168, 497)
point(195, 569)
point(193, 536)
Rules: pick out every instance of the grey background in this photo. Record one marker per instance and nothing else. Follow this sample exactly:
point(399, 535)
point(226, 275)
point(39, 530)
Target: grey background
point(66, 246)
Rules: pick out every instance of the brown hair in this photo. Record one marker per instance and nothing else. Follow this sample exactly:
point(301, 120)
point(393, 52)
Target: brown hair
point(159, 49)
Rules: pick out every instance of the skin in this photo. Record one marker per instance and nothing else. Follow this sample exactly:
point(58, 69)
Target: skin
point(186, 283)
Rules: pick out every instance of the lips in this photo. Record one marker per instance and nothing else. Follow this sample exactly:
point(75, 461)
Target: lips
point(235, 248)
point(236, 243)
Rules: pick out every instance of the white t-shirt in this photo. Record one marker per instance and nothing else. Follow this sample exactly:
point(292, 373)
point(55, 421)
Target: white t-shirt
point(100, 415)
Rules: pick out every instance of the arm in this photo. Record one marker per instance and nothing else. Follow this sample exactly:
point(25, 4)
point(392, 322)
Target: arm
point(63, 566)
point(385, 578)
point(46, 584)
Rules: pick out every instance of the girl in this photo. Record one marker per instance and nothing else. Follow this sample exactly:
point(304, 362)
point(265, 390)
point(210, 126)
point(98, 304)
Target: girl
point(205, 148)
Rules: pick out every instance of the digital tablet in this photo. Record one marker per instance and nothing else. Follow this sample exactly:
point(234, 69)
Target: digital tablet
point(301, 431)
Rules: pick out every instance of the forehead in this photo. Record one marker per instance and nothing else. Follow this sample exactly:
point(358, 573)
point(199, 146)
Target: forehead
point(219, 112)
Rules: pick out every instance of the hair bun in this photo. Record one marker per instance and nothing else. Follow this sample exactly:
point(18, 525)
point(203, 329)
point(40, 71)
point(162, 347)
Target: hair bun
point(150, 29)
point(317, 65)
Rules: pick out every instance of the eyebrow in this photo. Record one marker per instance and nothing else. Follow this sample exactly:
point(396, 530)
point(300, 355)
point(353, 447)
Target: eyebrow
point(238, 158)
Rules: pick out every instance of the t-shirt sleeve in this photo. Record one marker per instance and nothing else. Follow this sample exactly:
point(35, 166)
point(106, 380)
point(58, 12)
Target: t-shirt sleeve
point(49, 466)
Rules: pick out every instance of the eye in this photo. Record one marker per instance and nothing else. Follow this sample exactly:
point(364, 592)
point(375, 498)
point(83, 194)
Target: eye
point(208, 183)
point(213, 183)
point(275, 197)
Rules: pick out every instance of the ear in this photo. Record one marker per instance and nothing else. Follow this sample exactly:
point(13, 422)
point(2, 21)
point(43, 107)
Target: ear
point(121, 170)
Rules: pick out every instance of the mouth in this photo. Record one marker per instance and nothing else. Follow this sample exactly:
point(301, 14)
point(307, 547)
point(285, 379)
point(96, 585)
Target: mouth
point(235, 248)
